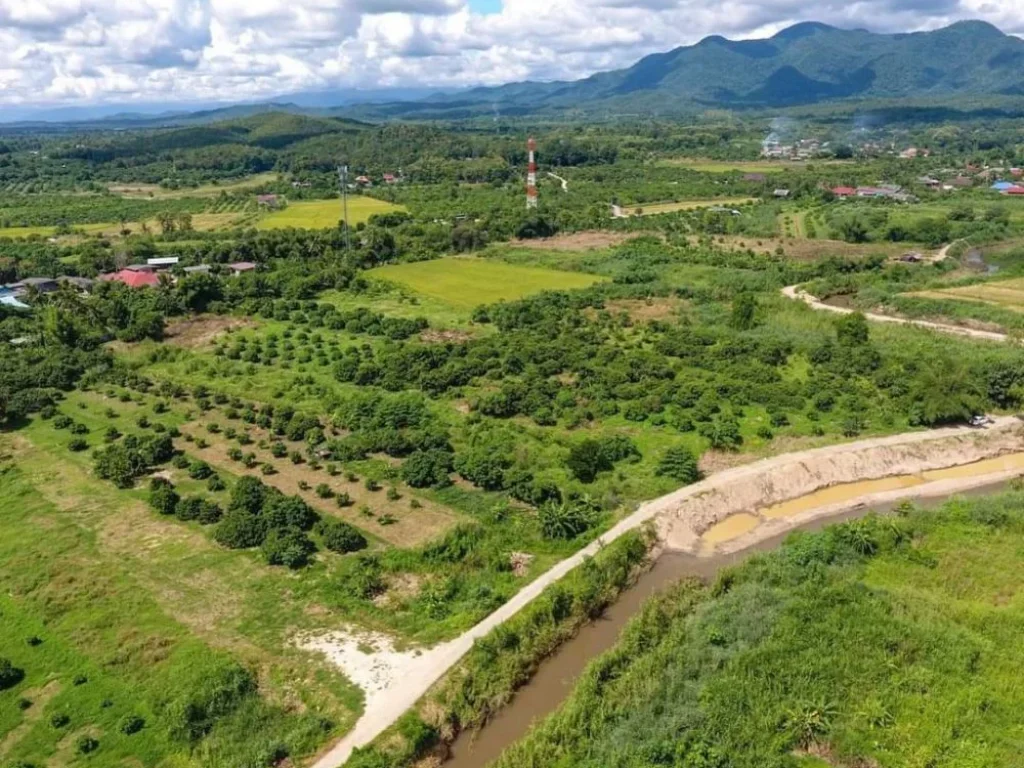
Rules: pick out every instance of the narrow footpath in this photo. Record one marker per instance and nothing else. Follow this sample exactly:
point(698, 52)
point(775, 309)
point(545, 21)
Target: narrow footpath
point(794, 292)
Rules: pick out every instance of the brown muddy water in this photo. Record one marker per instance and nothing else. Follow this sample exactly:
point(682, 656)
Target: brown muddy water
point(556, 676)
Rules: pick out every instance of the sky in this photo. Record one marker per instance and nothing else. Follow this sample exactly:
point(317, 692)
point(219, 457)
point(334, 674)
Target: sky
point(87, 52)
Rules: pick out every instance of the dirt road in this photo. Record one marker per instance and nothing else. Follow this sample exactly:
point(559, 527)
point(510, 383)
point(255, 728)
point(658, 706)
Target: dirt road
point(794, 292)
point(565, 183)
point(682, 516)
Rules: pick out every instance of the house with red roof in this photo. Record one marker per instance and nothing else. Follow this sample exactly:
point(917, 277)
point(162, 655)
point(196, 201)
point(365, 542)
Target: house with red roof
point(1014, 191)
point(131, 278)
point(844, 191)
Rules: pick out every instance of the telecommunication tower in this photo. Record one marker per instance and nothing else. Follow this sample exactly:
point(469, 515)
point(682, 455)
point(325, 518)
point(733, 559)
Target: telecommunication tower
point(531, 174)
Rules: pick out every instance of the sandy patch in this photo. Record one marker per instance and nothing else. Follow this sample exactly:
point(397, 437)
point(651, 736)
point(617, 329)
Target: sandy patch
point(371, 660)
point(202, 330)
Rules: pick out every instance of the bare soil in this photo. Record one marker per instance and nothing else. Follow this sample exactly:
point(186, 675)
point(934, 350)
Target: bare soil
point(432, 336)
point(412, 527)
point(644, 310)
point(575, 241)
point(201, 331)
point(39, 697)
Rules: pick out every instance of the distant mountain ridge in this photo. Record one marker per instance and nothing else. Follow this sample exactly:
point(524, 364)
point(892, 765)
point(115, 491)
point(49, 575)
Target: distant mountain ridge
point(807, 63)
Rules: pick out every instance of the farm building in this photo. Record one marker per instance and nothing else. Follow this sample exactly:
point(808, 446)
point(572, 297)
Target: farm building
point(83, 284)
point(241, 266)
point(41, 284)
point(844, 191)
point(163, 262)
point(267, 201)
point(132, 278)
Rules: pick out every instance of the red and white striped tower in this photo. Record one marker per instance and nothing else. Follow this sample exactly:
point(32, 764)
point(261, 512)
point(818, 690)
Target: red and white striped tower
point(531, 175)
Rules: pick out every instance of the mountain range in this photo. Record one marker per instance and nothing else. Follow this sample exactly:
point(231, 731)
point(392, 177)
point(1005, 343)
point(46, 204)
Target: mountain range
point(806, 64)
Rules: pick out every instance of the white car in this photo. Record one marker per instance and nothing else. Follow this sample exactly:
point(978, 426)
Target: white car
point(981, 421)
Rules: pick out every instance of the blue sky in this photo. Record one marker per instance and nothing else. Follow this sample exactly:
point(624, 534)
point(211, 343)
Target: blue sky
point(485, 6)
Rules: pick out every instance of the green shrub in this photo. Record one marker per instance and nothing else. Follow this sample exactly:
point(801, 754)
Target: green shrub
point(289, 547)
point(130, 724)
point(10, 675)
point(679, 463)
point(339, 536)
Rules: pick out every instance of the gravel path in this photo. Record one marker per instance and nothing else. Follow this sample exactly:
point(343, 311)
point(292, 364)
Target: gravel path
point(794, 292)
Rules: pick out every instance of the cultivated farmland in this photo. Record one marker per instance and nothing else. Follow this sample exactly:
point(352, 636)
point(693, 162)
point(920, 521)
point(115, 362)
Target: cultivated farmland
point(323, 214)
point(469, 283)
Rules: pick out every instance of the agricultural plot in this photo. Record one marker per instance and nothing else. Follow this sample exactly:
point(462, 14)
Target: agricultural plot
point(651, 209)
point(325, 214)
point(156, 192)
point(742, 166)
point(1008, 294)
point(468, 283)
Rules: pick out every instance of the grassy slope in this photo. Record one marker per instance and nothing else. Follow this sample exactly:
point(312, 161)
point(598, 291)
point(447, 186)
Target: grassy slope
point(906, 658)
point(136, 603)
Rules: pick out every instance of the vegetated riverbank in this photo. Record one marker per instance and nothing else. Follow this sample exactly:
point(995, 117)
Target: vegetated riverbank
point(682, 517)
point(885, 641)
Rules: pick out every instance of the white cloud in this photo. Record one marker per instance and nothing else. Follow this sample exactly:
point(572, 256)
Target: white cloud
point(89, 51)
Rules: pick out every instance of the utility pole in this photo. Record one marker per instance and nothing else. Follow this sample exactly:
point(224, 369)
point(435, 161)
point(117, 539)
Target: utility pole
point(343, 179)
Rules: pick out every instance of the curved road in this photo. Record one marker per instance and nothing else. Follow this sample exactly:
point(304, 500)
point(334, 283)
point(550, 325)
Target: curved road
point(435, 662)
point(794, 292)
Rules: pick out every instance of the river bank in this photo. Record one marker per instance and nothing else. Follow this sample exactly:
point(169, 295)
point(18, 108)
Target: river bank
point(684, 518)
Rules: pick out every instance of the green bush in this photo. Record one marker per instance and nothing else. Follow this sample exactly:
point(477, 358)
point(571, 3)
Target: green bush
point(289, 547)
point(679, 463)
point(10, 675)
point(339, 536)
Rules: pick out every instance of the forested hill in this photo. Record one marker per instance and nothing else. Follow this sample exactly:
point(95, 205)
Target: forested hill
point(808, 63)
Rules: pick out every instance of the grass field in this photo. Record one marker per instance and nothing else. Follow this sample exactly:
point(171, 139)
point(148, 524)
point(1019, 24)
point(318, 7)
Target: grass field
point(468, 283)
point(138, 614)
point(323, 214)
point(1004, 293)
point(155, 191)
point(201, 222)
point(649, 209)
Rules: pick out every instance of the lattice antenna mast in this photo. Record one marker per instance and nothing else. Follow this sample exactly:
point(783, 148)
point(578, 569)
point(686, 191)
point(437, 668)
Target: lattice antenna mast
point(531, 174)
point(343, 180)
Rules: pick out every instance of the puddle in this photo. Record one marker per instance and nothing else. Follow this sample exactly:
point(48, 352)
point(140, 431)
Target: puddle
point(839, 493)
point(731, 527)
point(983, 467)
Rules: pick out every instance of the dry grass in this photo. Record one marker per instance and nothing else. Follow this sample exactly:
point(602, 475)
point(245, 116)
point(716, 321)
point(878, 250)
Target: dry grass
point(1008, 294)
point(201, 331)
point(803, 248)
point(644, 310)
point(412, 528)
point(576, 241)
point(650, 209)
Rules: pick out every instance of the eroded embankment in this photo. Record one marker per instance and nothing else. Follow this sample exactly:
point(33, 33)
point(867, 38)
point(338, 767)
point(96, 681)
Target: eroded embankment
point(751, 492)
